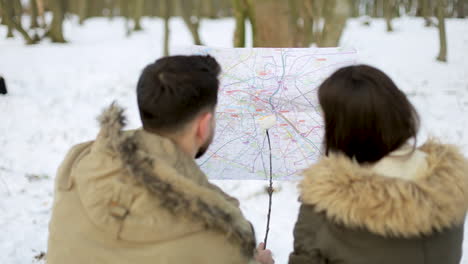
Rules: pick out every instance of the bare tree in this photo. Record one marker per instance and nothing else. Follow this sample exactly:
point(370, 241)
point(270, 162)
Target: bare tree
point(83, 10)
point(40, 12)
point(461, 8)
point(335, 16)
point(167, 10)
point(56, 29)
point(190, 10)
point(34, 14)
point(139, 5)
point(389, 6)
point(6, 14)
point(442, 33)
point(272, 23)
point(240, 14)
point(12, 11)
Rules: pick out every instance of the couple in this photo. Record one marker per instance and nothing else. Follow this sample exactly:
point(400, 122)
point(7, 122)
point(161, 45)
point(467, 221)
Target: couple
point(139, 197)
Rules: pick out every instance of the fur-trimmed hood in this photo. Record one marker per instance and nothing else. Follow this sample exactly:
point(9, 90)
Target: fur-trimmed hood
point(166, 196)
point(359, 197)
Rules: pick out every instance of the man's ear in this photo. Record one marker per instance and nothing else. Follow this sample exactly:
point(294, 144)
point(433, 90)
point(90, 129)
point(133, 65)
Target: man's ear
point(204, 127)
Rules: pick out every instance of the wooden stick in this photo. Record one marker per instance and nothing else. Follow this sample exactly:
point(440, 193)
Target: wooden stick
point(270, 192)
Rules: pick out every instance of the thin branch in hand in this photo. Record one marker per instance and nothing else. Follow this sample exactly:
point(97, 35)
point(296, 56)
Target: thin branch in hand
point(270, 191)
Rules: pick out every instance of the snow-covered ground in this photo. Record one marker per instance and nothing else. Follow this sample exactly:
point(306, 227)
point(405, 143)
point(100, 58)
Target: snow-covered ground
point(57, 90)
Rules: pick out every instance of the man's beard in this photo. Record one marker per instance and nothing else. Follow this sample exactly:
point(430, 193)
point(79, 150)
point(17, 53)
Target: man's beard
point(202, 150)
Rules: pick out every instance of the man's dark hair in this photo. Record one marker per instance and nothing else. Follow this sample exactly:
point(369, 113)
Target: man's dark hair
point(3, 89)
point(173, 90)
point(366, 115)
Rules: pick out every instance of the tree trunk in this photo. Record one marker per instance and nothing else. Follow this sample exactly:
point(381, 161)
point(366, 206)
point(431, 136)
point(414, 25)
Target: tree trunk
point(317, 16)
point(335, 16)
point(355, 8)
point(83, 10)
point(426, 12)
point(408, 6)
point(378, 8)
point(308, 16)
point(388, 11)
point(56, 29)
point(138, 13)
point(13, 18)
point(167, 10)
point(240, 14)
point(34, 14)
point(7, 15)
point(190, 14)
point(461, 8)
point(277, 32)
point(40, 12)
point(296, 23)
point(442, 34)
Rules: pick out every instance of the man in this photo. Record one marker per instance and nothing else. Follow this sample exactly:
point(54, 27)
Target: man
point(138, 196)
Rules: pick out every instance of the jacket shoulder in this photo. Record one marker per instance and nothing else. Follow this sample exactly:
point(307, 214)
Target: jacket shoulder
point(358, 197)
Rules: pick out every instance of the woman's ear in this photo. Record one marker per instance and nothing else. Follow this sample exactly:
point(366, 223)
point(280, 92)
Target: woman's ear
point(204, 127)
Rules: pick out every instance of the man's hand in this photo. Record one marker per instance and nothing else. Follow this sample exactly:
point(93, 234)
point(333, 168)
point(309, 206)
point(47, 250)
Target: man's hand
point(264, 256)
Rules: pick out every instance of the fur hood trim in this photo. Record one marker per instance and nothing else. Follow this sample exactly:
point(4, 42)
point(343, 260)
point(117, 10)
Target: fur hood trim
point(358, 197)
point(179, 195)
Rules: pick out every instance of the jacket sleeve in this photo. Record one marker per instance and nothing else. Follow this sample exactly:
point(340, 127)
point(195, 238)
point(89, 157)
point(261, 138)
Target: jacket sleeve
point(306, 238)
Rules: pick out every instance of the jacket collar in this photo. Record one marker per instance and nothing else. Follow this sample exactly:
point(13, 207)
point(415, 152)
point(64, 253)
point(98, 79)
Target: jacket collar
point(375, 198)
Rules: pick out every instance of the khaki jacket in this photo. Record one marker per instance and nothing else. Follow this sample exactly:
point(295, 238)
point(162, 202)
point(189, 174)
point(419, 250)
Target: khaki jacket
point(134, 197)
point(408, 208)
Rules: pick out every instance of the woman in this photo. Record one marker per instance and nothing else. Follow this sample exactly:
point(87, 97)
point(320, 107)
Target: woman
point(375, 198)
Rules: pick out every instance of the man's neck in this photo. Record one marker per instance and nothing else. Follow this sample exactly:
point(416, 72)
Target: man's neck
point(184, 143)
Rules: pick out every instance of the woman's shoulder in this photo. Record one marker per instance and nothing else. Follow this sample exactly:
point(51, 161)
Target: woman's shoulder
point(360, 196)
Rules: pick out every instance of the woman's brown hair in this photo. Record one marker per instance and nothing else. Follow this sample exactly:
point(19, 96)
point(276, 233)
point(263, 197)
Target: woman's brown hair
point(366, 115)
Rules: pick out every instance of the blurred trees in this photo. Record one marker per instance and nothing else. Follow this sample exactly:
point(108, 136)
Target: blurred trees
point(274, 23)
point(12, 11)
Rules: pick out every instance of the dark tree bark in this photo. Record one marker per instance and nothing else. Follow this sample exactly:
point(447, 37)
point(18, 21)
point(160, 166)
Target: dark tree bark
point(34, 14)
point(442, 33)
point(461, 8)
point(56, 29)
point(240, 14)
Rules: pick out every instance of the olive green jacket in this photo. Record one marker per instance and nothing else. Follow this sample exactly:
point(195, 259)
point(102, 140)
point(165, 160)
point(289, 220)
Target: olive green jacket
point(134, 198)
point(409, 208)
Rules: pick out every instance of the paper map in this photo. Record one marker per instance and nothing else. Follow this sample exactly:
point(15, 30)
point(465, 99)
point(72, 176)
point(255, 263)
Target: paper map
point(259, 82)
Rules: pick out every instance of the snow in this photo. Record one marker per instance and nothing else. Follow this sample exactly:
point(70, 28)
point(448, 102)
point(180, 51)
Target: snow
point(57, 90)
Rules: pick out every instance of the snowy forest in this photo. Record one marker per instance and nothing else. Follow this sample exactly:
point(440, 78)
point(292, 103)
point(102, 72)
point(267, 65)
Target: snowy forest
point(63, 61)
point(297, 23)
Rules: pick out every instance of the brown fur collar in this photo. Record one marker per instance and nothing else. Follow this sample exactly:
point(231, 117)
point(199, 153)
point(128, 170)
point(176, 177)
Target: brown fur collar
point(179, 195)
point(357, 197)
